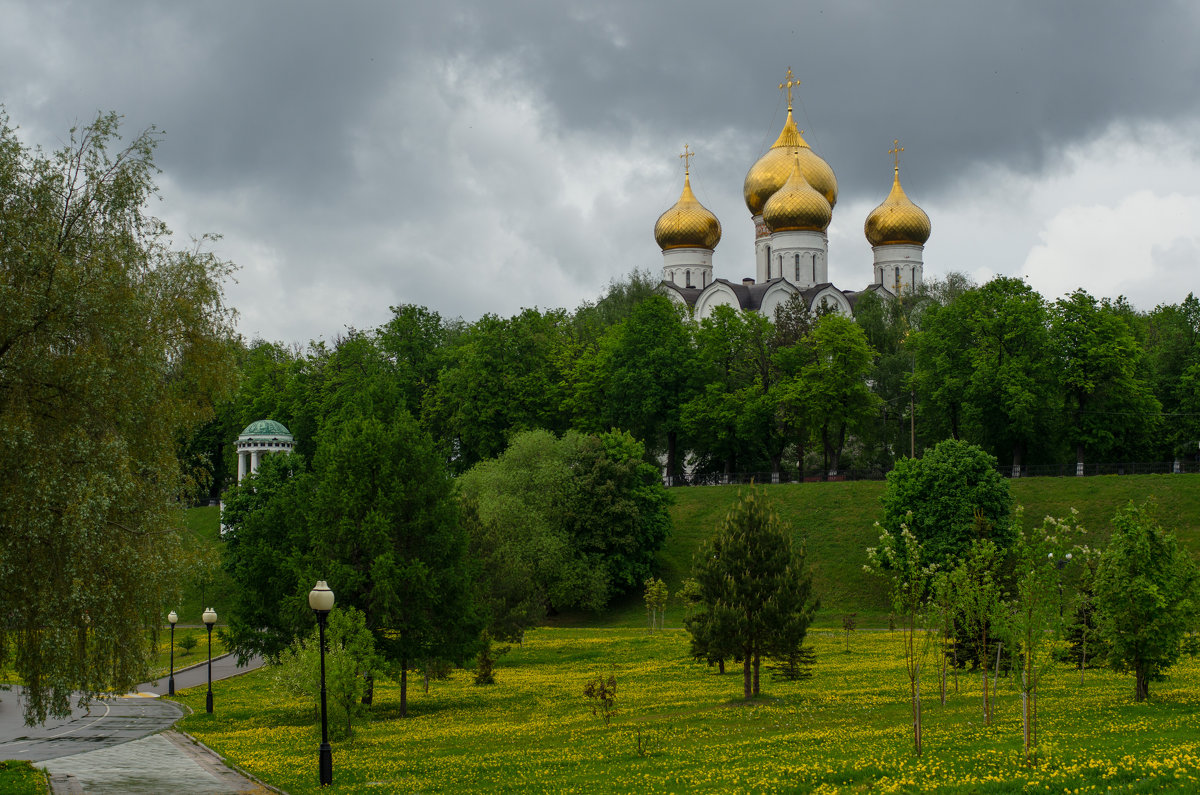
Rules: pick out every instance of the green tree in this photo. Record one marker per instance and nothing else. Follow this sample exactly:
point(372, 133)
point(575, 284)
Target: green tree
point(900, 558)
point(1110, 407)
point(615, 509)
point(350, 663)
point(113, 347)
point(944, 491)
point(756, 589)
point(1146, 596)
point(1036, 610)
point(386, 533)
point(980, 600)
point(640, 376)
point(266, 518)
point(501, 376)
point(835, 380)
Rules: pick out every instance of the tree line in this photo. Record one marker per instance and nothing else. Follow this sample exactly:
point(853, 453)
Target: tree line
point(1032, 381)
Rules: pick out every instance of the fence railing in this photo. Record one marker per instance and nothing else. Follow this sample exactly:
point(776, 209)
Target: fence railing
point(1025, 471)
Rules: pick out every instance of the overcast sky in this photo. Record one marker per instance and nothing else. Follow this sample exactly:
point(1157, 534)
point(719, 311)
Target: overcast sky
point(486, 156)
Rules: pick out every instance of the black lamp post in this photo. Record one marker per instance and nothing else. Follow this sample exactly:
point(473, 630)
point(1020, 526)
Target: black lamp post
point(210, 618)
point(320, 599)
point(172, 619)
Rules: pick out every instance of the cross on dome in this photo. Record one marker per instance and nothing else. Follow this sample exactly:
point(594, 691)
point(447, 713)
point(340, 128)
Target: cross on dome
point(686, 157)
point(895, 153)
point(788, 83)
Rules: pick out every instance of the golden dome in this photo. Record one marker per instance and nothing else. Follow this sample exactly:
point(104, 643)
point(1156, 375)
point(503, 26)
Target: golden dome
point(797, 205)
point(772, 169)
point(897, 220)
point(689, 224)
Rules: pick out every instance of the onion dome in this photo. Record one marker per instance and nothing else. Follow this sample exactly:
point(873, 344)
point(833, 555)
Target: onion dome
point(689, 224)
point(797, 205)
point(897, 220)
point(772, 169)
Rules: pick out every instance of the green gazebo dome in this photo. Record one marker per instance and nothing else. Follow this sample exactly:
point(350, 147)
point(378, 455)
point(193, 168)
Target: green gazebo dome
point(266, 428)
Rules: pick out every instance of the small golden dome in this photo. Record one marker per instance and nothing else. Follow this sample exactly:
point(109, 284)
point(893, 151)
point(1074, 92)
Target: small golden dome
point(897, 220)
point(689, 224)
point(797, 206)
point(772, 169)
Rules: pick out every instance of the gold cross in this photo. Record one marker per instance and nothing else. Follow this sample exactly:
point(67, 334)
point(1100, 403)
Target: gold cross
point(788, 83)
point(895, 153)
point(686, 157)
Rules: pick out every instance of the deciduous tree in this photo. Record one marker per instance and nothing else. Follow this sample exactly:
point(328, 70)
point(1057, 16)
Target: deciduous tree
point(1146, 596)
point(113, 348)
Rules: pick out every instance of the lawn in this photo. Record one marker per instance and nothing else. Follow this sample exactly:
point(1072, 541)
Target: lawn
point(837, 520)
point(21, 778)
point(681, 727)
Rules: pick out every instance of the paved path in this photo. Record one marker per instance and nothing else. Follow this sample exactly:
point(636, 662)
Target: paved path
point(115, 745)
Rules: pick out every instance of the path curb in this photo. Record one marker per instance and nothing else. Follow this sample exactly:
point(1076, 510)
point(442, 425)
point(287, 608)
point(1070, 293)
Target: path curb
point(224, 761)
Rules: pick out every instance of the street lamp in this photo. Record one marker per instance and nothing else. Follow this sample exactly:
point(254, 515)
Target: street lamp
point(210, 618)
point(172, 619)
point(320, 599)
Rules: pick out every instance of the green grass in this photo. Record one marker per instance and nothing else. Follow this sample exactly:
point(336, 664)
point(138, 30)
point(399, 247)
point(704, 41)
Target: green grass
point(161, 664)
point(202, 528)
point(838, 521)
point(21, 778)
point(846, 729)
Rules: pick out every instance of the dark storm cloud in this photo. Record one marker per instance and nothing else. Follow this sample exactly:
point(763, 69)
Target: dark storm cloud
point(367, 138)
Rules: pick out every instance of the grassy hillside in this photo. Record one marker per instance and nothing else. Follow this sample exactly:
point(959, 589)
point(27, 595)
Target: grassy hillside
point(838, 521)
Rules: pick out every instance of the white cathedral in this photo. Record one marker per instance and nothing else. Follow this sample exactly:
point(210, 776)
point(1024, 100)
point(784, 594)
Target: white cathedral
point(791, 193)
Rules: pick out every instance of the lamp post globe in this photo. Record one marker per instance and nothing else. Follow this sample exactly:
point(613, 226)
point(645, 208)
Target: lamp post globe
point(209, 617)
point(320, 599)
point(172, 619)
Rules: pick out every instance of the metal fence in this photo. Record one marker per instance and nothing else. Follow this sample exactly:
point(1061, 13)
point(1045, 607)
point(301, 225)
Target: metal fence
point(1026, 471)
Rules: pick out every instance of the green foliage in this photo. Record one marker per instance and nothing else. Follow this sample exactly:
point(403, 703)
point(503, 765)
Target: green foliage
point(186, 643)
point(980, 607)
point(655, 596)
point(1146, 596)
point(900, 557)
point(603, 695)
point(485, 660)
point(267, 521)
point(1100, 375)
point(756, 590)
point(350, 661)
point(562, 523)
point(944, 490)
point(113, 348)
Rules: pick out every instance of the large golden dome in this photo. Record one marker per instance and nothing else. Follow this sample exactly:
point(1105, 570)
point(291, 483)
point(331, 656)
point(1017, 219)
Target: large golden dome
point(897, 220)
point(797, 206)
point(772, 169)
point(689, 224)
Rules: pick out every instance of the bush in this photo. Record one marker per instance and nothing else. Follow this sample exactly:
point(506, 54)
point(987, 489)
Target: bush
point(350, 658)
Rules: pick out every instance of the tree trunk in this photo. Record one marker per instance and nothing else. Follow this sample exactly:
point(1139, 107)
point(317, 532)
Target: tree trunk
point(756, 663)
point(403, 687)
point(426, 678)
point(721, 666)
point(917, 707)
point(369, 695)
point(1141, 685)
point(746, 684)
point(800, 459)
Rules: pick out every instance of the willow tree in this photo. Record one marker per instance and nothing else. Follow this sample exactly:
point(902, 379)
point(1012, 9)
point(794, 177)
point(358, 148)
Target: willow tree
point(113, 347)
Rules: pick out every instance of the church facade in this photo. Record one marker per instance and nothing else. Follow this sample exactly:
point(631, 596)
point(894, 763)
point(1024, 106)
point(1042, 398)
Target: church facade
point(790, 193)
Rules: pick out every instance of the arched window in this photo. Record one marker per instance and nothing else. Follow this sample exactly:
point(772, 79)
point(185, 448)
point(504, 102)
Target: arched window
point(688, 276)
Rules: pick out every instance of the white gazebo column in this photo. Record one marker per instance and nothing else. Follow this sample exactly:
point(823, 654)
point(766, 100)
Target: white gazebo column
point(255, 460)
point(241, 465)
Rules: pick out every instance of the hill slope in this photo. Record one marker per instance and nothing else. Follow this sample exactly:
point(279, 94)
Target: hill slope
point(838, 521)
